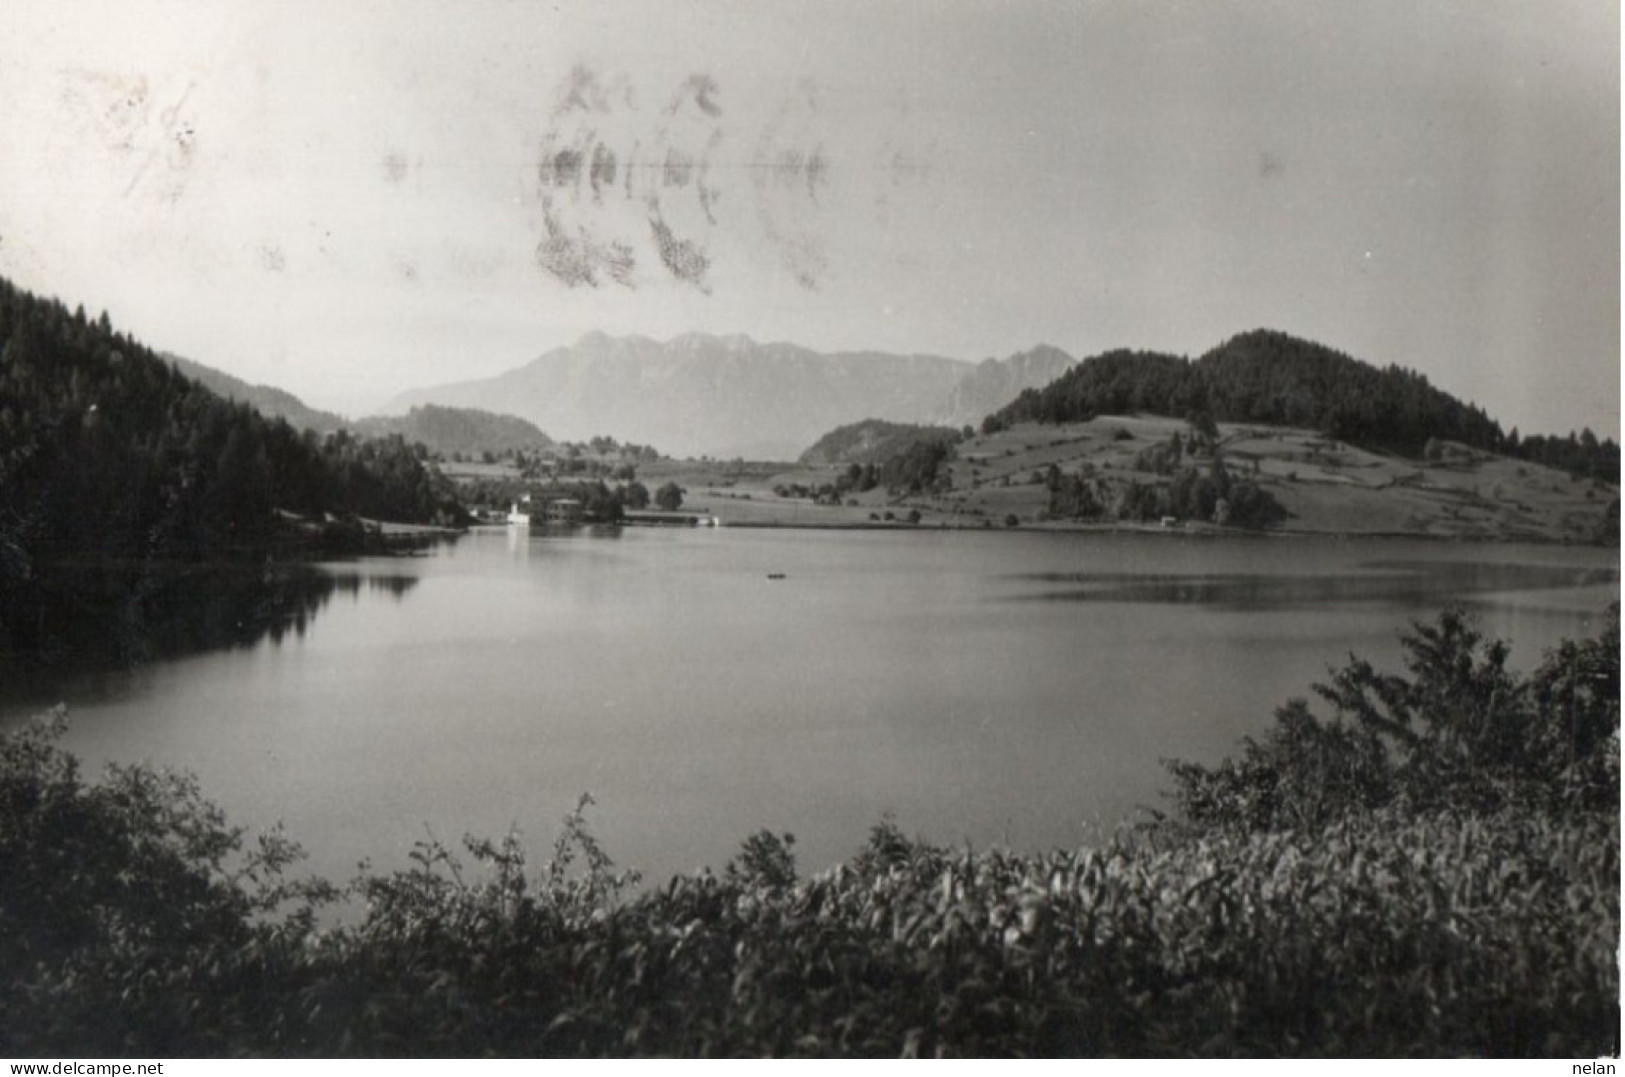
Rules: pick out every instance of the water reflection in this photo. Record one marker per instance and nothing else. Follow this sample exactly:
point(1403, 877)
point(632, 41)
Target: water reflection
point(98, 618)
point(519, 543)
point(521, 539)
point(699, 702)
point(1407, 582)
point(394, 586)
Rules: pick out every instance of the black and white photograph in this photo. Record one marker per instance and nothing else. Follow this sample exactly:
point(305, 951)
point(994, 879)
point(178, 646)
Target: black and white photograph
point(844, 529)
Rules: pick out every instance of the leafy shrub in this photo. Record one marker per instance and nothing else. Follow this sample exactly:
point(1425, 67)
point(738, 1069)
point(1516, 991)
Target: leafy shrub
point(130, 913)
point(1461, 731)
point(764, 859)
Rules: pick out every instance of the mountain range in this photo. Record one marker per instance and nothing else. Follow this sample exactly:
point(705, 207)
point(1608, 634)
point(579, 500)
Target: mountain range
point(727, 396)
point(465, 431)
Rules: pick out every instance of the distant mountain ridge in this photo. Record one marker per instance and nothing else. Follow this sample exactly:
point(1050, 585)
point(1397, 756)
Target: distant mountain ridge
point(993, 383)
point(468, 431)
point(724, 396)
point(271, 402)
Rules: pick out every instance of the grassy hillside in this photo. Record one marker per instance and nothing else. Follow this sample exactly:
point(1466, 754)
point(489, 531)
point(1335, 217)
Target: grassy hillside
point(1263, 377)
point(1271, 378)
point(1327, 486)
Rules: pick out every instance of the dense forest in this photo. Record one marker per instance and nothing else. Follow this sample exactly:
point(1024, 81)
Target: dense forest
point(1270, 377)
point(105, 449)
point(109, 456)
point(1430, 869)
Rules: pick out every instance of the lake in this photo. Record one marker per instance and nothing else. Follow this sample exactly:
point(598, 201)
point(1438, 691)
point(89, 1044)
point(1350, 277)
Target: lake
point(1014, 688)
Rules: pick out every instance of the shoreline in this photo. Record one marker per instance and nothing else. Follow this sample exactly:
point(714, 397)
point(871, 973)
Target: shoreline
point(1183, 531)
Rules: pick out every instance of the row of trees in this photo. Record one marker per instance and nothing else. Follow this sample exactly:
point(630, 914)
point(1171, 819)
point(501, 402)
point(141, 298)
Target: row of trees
point(1270, 377)
point(601, 501)
point(1579, 454)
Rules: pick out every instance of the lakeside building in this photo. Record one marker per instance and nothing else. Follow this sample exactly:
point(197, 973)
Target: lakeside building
point(564, 511)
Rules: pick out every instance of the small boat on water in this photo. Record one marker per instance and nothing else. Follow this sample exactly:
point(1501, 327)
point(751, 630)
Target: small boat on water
point(517, 518)
point(775, 575)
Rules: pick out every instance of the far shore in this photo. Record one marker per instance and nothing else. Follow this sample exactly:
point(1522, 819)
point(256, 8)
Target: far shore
point(1184, 530)
point(1008, 480)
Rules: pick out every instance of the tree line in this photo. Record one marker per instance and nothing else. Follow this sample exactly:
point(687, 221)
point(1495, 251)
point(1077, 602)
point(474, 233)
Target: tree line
point(1271, 377)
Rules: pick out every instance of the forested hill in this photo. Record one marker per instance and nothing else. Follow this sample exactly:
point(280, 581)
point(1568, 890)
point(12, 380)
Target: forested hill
point(874, 441)
point(107, 451)
point(451, 431)
point(1270, 377)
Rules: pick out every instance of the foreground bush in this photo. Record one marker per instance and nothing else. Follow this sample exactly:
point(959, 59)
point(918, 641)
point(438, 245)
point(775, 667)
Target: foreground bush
point(134, 921)
point(1460, 732)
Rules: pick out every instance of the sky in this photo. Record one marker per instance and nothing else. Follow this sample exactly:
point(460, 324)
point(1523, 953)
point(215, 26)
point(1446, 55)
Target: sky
point(347, 200)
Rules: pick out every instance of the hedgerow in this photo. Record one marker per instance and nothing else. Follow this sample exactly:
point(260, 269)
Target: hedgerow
point(134, 920)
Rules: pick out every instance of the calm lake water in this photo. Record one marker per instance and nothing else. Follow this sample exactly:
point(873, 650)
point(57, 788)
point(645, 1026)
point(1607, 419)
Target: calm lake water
point(1015, 688)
